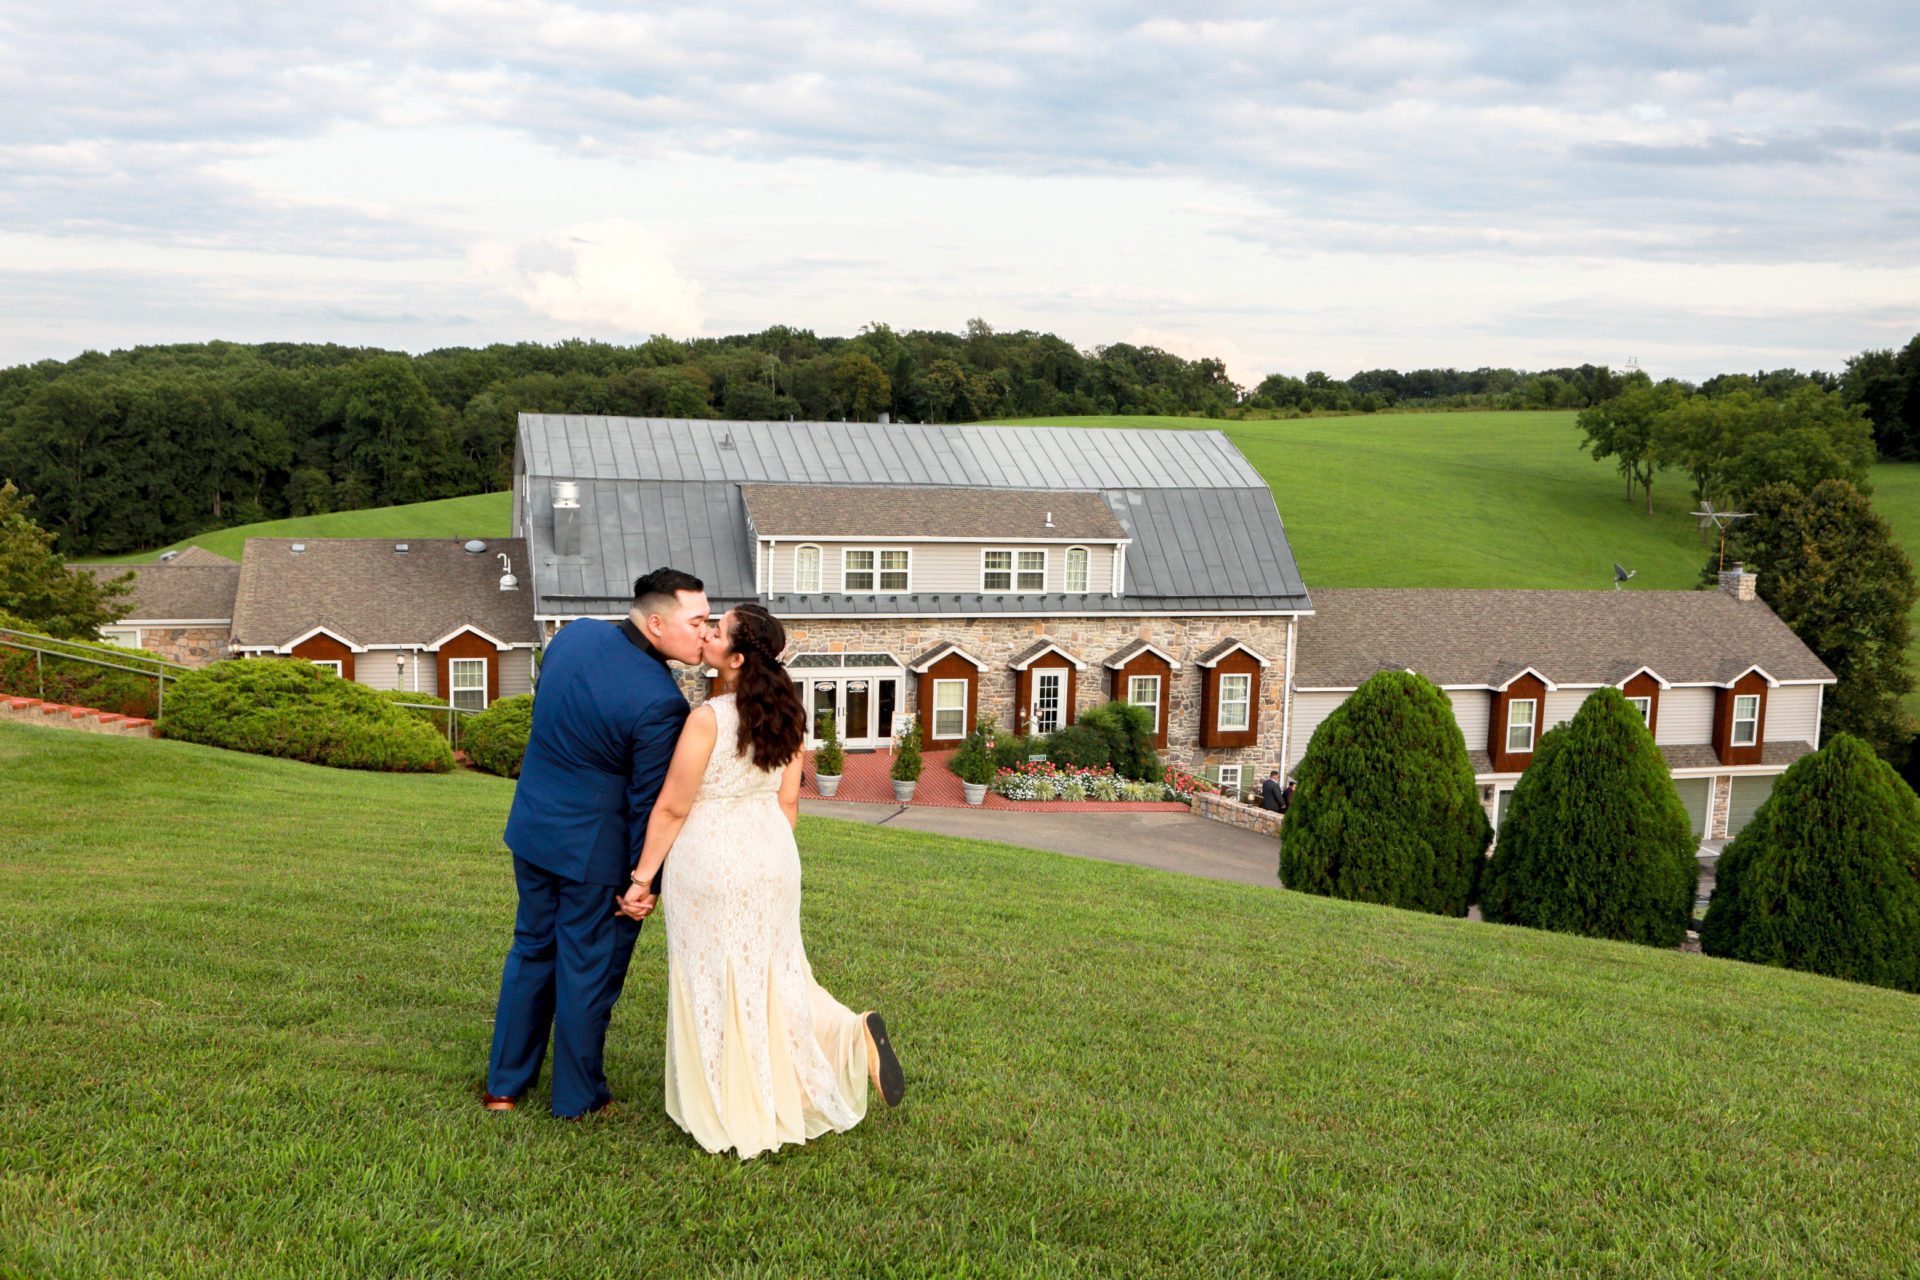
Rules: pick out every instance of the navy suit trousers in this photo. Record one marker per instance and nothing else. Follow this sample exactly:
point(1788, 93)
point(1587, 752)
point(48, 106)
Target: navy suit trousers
point(563, 974)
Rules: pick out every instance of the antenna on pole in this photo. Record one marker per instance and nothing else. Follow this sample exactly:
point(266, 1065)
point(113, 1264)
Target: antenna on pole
point(1720, 520)
point(1621, 575)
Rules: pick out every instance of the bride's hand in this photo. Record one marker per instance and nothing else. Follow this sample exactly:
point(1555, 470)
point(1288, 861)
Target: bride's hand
point(635, 904)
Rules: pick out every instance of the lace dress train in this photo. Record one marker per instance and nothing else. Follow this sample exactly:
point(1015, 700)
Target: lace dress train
point(758, 1054)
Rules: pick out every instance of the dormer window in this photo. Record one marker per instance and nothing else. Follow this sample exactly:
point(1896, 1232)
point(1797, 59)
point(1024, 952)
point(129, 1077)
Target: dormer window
point(1077, 560)
point(806, 570)
point(1645, 707)
point(1522, 714)
point(1746, 719)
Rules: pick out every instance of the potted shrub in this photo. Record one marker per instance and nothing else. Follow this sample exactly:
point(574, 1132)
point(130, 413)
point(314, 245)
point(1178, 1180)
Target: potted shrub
point(976, 770)
point(829, 760)
point(907, 764)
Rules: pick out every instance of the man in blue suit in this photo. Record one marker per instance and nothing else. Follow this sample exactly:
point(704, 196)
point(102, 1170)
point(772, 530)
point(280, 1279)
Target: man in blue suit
point(606, 716)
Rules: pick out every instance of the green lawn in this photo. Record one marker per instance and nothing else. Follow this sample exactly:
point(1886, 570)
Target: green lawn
point(246, 1004)
point(481, 515)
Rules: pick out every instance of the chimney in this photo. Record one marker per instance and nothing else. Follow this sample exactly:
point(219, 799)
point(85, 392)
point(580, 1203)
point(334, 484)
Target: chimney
point(885, 418)
point(1738, 583)
point(566, 517)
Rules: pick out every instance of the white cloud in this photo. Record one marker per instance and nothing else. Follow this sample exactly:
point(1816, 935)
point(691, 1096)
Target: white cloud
point(607, 278)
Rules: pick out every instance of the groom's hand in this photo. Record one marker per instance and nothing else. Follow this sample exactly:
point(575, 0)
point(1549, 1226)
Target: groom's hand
point(635, 904)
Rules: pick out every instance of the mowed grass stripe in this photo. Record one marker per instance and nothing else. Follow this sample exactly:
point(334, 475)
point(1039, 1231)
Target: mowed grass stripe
point(246, 1002)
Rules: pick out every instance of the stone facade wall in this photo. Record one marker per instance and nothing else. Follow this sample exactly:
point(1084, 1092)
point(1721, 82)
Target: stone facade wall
point(1234, 814)
point(1718, 806)
point(188, 646)
point(995, 641)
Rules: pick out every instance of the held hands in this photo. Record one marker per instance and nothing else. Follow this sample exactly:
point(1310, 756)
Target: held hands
point(636, 903)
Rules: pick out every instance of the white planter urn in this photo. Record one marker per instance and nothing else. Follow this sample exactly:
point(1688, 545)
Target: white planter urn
point(903, 791)
point(828, 783)
point(974, 792)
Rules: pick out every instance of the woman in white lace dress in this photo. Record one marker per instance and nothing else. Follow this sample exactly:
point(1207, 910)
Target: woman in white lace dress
point(758, 1055)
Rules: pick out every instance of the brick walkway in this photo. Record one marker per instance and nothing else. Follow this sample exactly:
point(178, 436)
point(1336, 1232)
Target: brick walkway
point(869, 780)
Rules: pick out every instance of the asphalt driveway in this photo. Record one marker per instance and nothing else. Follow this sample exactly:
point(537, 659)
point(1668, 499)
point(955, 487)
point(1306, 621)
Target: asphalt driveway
point(1165, 841)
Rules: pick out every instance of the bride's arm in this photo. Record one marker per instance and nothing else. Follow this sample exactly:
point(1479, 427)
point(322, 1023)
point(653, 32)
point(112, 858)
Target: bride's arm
point(670, 811)
point(790, 791)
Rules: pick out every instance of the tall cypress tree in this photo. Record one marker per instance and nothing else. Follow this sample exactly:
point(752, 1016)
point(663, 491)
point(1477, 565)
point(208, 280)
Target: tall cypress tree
point(1385, 808)
point(1826, 877)
point(1596, 841)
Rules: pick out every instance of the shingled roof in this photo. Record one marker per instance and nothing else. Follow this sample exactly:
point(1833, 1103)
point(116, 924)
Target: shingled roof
point(367, 593)
point(1205, 533)
point(1484, 638)
point(175, 592)
point(827, 511)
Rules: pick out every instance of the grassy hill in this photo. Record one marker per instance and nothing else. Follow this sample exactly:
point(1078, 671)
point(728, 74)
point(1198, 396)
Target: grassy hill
point(1389, 500)
point(245, 1017)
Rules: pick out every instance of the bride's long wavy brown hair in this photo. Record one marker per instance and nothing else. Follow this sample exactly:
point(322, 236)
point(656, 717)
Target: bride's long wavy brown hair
point(773, 722)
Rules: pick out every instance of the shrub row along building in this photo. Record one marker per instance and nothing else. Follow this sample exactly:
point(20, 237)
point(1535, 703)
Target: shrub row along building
point(1025, 573)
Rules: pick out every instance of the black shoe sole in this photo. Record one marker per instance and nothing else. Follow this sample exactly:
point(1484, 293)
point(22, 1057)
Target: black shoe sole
point(893, 1082)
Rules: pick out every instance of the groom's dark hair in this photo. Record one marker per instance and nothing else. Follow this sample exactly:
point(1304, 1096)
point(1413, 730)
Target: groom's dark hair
point(655, 592)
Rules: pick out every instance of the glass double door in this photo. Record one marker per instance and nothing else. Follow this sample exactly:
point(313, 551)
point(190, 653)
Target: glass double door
point(863, 707)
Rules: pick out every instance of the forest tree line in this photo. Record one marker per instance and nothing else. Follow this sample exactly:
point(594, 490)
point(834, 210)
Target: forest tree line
point(142, 447)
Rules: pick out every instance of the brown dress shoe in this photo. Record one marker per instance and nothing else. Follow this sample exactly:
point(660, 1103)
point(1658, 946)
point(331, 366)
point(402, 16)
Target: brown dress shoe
point(494, 1102)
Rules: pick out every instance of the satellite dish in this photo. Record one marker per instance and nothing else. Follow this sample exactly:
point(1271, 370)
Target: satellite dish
point(1621, 574)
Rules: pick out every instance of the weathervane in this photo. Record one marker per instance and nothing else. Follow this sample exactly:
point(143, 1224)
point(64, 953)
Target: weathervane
point(1720, 520)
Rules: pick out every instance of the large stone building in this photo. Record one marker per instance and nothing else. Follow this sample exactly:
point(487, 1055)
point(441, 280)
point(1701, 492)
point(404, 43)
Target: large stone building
point(943, 572)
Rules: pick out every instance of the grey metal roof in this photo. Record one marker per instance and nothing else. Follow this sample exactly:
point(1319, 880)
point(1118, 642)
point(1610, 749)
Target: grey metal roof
point(1206, 534)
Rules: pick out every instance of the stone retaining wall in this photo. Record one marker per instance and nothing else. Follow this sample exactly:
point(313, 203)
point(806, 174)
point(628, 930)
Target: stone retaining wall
point(1234, 814)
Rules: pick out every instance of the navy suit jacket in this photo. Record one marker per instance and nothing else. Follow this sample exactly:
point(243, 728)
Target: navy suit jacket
point(606, 715)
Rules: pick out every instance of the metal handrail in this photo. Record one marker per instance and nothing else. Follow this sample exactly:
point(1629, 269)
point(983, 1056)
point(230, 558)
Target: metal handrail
point(159, 669)
point(453, 717)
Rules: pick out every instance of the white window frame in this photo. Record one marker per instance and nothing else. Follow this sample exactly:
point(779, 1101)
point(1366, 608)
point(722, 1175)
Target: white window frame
point(1231, 792)
point(1154, 705)
point(936, 710)
point(1086, 571)
point(1752, 722)
point(339, 668)
point(1244, 702)
point(454, 688)
point(1644, 705)
point(881, 571)
point(984, 570)
point(108, 634)
point(875, 589)
point(800, 587)
point(1532, 724)
point(1019, 572)
point(1060, 702)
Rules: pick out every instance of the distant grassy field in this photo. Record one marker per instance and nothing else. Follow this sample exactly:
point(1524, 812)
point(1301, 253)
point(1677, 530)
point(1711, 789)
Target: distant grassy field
point(246, 1003)
point(483, 515)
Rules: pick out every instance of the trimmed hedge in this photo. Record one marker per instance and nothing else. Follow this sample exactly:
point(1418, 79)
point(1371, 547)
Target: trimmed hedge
point(1385, 808)
point(288, 708)
point(1596, 841)
point(1826, 877)
point(77, 684)
point(496, 739)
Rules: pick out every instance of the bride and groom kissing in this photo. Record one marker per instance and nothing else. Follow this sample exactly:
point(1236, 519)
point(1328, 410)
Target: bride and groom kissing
point(628, 799)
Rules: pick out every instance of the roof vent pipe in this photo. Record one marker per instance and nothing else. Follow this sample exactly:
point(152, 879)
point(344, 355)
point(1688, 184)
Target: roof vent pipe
point(1049, 519)
point(507, 581)
point(566, 517)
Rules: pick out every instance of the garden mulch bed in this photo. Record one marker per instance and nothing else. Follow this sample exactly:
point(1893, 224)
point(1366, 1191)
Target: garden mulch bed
point(868, 780)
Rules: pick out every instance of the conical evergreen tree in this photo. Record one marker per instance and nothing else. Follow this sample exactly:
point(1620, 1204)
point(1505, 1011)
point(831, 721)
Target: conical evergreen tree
point(1826, 877)
point(1385, 808)
point(1596, 840)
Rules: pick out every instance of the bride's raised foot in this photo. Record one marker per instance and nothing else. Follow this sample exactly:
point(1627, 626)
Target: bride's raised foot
point(882, 1065)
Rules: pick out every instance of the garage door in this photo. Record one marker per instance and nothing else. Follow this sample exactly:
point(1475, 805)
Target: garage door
point(1693, 794)
point(1748, 794)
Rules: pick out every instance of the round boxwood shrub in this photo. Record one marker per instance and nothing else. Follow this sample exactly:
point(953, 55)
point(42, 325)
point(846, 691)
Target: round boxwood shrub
point(292, 709)
point(1128, 732)
point(496, 739)
point(1826, 877)
point(1596, 840)
point(1385, 808)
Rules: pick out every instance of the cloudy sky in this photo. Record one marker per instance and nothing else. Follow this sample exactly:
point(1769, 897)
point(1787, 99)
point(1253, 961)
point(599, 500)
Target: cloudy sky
point(1292, 186)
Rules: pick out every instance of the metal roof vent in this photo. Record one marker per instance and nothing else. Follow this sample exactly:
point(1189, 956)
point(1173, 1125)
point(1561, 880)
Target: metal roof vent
point(1049, 519)
point(475, 547)
point(299, 547)
point(400, 548)
point(507, 581)
point(167, 555)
